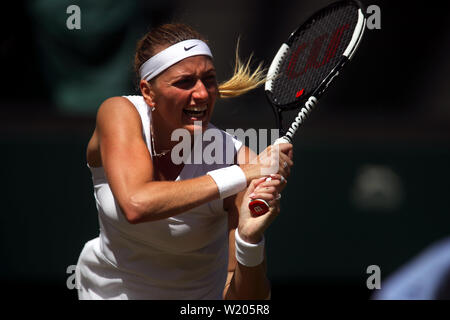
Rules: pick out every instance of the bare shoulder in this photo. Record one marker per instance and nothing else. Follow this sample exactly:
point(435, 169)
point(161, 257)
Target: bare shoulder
point(118, 112)
point(116, 107)
point(113, 113)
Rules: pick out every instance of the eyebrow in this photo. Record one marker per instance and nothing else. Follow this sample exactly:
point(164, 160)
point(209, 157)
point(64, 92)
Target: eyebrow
point(188, 74)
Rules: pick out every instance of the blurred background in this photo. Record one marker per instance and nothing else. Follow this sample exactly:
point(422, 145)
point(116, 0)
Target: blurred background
point(370, 184)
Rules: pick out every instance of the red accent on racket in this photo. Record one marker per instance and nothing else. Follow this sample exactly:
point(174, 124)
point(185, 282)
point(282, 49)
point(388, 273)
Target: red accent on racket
point(299, 93)
point(258, 207)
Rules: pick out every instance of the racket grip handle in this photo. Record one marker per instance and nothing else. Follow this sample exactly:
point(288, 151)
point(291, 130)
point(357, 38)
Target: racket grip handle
point(258, 207)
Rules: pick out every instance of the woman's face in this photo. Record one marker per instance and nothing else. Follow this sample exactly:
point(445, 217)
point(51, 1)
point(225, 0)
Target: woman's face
point(185, 93)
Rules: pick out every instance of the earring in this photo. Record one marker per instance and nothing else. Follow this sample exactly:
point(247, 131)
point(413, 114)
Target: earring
point(153, 108)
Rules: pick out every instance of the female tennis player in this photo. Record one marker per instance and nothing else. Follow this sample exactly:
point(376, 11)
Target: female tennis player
point(176, 230)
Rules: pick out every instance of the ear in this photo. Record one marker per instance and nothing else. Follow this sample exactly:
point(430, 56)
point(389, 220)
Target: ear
point(147, 92)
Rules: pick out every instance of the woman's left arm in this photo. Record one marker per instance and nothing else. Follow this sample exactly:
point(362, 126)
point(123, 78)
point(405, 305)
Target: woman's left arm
point(250, 282)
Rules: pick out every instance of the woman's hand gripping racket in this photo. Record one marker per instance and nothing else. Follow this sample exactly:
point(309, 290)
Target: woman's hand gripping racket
point(307, 63)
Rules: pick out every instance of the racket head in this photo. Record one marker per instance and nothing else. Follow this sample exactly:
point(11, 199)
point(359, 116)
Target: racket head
point(306, 62)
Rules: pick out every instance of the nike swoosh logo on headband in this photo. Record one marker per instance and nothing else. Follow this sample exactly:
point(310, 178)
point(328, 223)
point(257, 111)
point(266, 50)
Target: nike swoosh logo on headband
point(187, 49)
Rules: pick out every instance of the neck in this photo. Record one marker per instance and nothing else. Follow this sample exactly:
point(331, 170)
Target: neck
point(161, 136)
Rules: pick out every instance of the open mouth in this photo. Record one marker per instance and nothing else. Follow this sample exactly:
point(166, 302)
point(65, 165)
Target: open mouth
point(195, 112)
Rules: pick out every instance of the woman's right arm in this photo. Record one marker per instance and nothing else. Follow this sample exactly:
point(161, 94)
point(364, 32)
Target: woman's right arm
point(130, 172)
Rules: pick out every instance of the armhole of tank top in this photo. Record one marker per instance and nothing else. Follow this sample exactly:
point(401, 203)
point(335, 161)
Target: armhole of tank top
point(145, 115)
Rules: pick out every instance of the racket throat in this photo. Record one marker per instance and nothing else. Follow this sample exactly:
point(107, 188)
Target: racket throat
point(278, 113)
point(301, 117)
point(279, 120)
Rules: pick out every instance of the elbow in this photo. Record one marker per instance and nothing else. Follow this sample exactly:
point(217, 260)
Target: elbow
point(135, 210)
point(132, 216)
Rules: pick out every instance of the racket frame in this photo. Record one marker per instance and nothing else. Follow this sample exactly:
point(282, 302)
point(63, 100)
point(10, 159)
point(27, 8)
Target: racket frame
point(308, 102)
point(259, 207)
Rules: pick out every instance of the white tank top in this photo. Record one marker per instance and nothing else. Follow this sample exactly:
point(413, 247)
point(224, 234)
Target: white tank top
point(181, 257)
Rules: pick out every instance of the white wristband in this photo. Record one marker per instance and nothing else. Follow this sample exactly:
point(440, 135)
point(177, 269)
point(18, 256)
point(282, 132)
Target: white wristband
point(229, 180)
point(249, 254)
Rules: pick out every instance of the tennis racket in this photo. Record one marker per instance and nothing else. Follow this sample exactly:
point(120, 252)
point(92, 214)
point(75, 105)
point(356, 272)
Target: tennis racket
point(307, 63)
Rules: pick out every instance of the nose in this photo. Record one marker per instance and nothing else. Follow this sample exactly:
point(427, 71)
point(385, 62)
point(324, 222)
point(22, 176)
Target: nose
point(200, 93)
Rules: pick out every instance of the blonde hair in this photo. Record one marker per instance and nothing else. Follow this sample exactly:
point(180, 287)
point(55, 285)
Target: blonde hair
point(243, 79)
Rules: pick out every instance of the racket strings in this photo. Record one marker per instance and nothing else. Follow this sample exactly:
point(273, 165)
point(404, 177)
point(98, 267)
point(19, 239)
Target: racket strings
point(313, 52)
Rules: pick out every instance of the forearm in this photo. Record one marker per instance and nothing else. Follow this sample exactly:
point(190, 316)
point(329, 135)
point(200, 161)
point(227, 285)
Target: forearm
point(247, 277)
point(162, 199)
point(247, 269)
point(248, 283)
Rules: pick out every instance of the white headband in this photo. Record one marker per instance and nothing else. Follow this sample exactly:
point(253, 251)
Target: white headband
point(171, 55)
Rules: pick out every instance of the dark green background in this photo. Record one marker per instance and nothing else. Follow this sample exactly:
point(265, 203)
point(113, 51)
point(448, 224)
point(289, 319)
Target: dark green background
point(390, 108)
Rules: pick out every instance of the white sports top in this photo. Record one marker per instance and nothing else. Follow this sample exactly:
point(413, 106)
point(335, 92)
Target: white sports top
point(181, 257)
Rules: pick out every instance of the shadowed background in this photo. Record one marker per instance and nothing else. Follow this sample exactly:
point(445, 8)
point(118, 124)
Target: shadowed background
point(370, 182)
